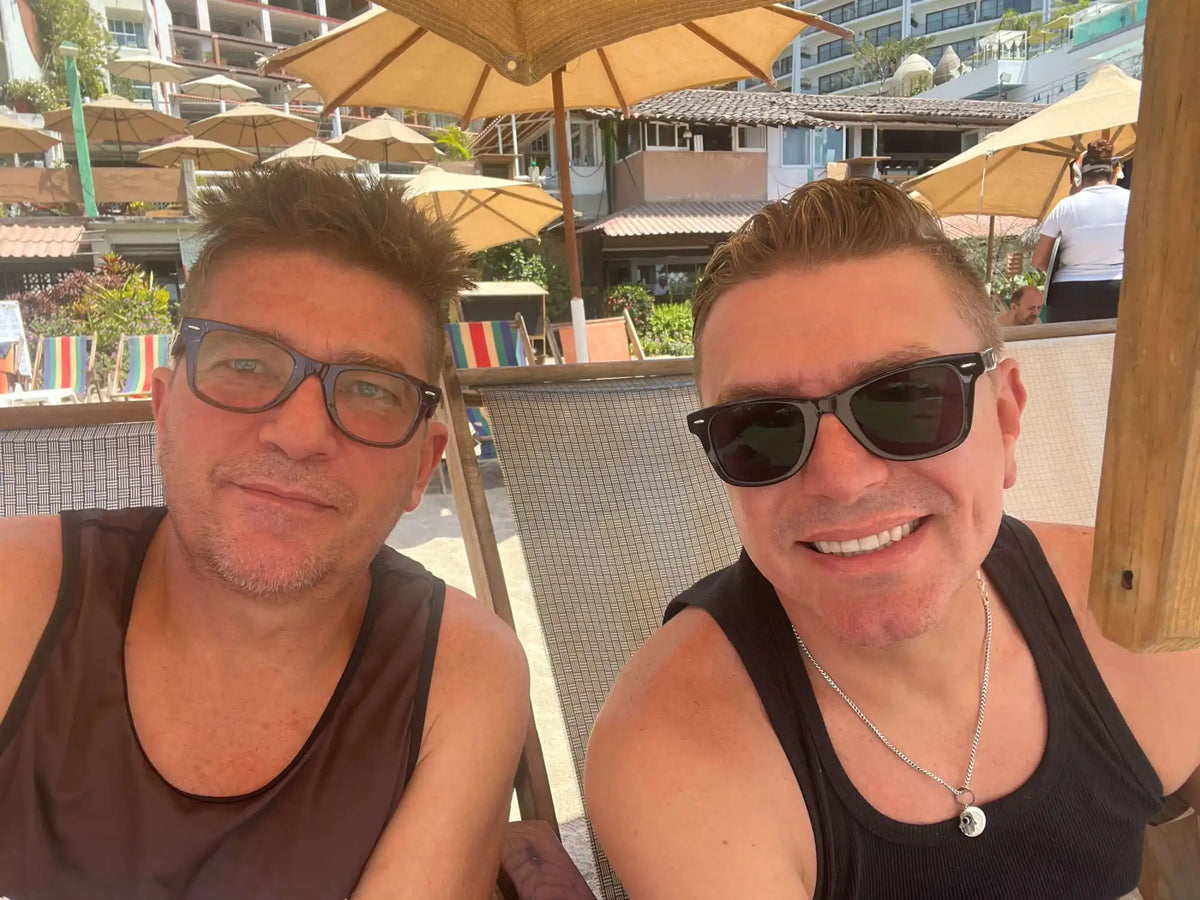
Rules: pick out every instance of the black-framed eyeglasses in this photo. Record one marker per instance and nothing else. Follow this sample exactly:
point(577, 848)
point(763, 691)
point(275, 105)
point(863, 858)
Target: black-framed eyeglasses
point(916, 411)
point(239, 370)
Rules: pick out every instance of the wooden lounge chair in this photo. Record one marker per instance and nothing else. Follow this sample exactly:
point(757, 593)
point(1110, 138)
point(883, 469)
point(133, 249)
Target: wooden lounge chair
point(608, 340)
point(143, 353)
point(483, 345)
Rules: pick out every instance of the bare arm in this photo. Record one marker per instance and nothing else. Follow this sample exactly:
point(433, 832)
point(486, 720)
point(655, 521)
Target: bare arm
point(690, 797)
point(443, 842)
point(31, 560)
point(1041, 253)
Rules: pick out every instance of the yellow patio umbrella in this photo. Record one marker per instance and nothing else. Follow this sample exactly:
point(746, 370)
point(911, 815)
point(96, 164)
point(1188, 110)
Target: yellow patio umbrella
point(149, 69)
point(316, 153)
point(254, 125)
point(17, 137)
point(205, 154)
point(303, 93)
point(219, 87)
point(474, 58)
point(1025, 169)
point(485, 212)
point(113, 118)
point(384, 139)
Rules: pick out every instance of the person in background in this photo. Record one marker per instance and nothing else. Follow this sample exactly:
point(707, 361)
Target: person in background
point(1091, 257)
point(661, 289)
point(1024, 307)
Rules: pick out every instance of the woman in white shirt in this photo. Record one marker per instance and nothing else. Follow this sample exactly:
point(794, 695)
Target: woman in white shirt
point(1086, 284)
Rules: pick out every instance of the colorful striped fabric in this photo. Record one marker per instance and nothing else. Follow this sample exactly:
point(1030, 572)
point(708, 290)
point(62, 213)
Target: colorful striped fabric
point(64, 363)
point(482, 345)
point(145, 352)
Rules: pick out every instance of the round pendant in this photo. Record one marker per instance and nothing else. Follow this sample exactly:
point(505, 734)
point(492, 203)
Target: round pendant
point(972, 821)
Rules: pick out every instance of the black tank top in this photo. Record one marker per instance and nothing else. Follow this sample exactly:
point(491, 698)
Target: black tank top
point(83, 814)
point(1073, 831)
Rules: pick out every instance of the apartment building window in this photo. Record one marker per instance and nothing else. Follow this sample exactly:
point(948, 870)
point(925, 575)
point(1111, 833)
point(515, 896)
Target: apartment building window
point(963, 49)
point(884, 33)
point(782, 66)
point(797, 146)
point(836, 82)
point(751, 137)
point(583, 144)
point(850, 11)
point(663, 136)
point(994, 9)
point(950, 18)
point(833, 50)
point(540, 144)
point(828, 145)
point(127, 34)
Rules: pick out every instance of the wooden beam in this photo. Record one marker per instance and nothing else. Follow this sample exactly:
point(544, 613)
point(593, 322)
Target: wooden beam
point(1145, 588)
point(75, 415)
point(532, 783)
point(535, 866)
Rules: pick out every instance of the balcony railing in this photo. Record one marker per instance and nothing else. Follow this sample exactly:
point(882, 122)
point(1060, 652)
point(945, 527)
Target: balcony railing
point(1092, 28)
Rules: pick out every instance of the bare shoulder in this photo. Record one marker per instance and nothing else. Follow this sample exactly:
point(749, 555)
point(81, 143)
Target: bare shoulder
point(1068, 549)
point(686, 785)
point(31, 560)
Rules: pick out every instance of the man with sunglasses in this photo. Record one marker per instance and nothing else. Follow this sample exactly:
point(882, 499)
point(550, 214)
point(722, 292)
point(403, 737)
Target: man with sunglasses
point(245, 694)
point(896, 692)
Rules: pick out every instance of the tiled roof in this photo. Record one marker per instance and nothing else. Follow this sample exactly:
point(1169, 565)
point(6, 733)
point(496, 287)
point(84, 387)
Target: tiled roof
point(813, 110)
point(977, 226)
point(679, 217)
point(39, 241)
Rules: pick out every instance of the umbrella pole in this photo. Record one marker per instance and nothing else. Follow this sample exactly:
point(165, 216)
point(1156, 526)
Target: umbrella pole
point(991, 243)
point(578, 316)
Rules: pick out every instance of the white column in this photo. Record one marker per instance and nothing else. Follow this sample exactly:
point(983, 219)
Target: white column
point(337, 123)
point(516, 148)
point(570, 146)
point(203, 22)
point(265, 13)
point(906, 18)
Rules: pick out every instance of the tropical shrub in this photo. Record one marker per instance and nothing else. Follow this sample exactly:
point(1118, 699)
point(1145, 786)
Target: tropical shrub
point(668, 331)
point(631, 298)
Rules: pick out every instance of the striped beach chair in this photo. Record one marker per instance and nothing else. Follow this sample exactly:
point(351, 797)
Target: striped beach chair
point(66, 363)
point(144, 353)
point(482, 345)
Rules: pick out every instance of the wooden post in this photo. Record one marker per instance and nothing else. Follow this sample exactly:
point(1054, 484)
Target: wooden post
point(532, 783)
point(1145, 588)
point(991, 251)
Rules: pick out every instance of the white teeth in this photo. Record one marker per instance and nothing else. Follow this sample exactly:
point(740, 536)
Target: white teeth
point(870, 543)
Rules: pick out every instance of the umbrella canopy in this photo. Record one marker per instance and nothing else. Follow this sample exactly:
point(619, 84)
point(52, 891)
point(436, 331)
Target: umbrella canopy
point(304, 93)
point(255, 125)
point(529, 39)
point(383, 139)
point(219, 87)
point(205, 154)
point(315, 153)
point(113, 118)
point(149, 69)
point(485, 212)
point(1024, 170)
point(17, 137)
point(385, 59)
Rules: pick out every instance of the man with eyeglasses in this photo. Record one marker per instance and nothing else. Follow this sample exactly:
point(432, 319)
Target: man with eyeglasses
point(245, 694)
point(897, 691)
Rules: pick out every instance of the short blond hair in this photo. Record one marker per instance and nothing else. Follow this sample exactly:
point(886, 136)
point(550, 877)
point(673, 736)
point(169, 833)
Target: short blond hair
point(355, 221)
point(830, 221)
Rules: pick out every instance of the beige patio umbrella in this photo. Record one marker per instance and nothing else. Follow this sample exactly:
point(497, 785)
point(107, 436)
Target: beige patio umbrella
point(316, 153)
point(149, 69)
point(205, 154)
point(17, 137)
point(485, 211)
point(221, 88)
point(1025, 169)
point(471, 59)
point(384, 139)
point(113, 118)
point(254, 125)
point(304, 93)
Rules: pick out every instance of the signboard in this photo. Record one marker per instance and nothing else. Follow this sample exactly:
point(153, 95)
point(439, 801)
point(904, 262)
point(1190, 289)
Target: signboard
point(12, 330)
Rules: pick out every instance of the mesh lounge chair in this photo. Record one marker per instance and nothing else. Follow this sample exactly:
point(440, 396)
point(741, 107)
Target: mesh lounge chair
point(145, 353)
point(483, 345)
point(66, 363)
point(608, 340)
point(10, 361)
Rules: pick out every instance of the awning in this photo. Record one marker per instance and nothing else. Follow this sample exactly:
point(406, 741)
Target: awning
point(40, 241)
point(965, 226)
point(679, 217)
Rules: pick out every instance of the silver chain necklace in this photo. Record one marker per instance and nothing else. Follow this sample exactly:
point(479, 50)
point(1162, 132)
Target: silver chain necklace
point(971, 820)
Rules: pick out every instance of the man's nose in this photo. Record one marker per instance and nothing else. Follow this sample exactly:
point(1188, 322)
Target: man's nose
point(839, 468)
point(300, 426)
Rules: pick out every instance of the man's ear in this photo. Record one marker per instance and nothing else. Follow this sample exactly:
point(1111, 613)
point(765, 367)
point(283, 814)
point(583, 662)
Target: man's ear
point(433, 445)
point(1010, 403)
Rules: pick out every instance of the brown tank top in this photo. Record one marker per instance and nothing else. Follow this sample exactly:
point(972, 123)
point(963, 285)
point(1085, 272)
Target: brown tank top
point(83, 813)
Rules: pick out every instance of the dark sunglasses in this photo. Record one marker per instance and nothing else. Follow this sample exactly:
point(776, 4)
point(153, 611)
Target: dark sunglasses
point(243, 371)
point(912, 412)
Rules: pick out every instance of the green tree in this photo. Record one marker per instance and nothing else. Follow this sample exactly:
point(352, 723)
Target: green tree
point(521, 261)
point(453, 141)
point(1032, 23)
point(60, 21)
point(877, 62)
